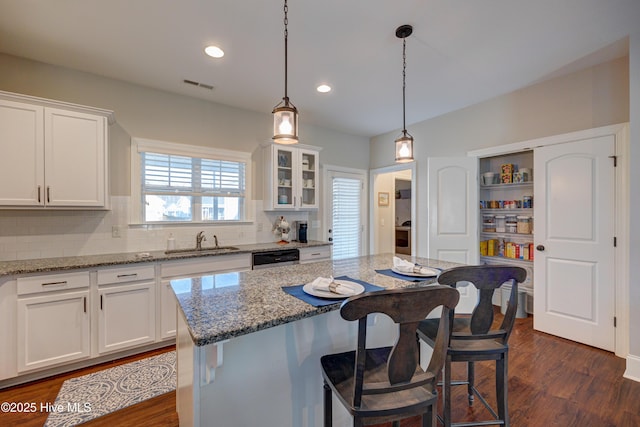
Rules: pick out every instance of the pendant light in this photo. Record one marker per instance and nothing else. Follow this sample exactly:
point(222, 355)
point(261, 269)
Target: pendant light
point(285, 114)
point(404, 143)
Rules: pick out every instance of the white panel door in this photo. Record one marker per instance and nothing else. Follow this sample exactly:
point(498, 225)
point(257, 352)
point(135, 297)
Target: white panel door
point(22, 158)
point(346, 209)
point(574, 230)
point(126, 316)
point(75, 151)
point(52, 328)
point(453, 216)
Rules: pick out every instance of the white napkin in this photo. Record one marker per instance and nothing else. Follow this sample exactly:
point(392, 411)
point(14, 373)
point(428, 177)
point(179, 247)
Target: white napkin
point(409, 267)
point(325, 284)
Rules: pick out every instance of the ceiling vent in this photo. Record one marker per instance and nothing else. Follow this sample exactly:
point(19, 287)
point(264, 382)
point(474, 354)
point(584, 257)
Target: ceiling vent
point(198, 84)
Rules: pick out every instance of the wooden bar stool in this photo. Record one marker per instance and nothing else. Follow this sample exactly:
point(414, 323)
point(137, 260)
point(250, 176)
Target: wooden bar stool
point(473, 339)
point(379, 385)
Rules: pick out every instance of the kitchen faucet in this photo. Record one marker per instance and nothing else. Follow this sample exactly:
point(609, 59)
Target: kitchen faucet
point(215, 238)
point(199, 238)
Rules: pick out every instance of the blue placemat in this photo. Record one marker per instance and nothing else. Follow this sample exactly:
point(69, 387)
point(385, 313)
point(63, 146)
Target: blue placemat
point(391, 273)
point(297, 292)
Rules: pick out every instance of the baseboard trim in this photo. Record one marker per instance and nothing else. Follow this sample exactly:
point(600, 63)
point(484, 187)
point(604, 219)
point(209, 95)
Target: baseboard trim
point(633, 368)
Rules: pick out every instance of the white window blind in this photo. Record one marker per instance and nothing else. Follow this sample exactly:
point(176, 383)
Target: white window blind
point(346, 217)
point(178, 187)
point(167, 173)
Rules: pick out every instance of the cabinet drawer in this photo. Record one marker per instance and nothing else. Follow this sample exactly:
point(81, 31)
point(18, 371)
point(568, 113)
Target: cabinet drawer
point(125, 274)
point(211, 264)
point(314, 254)
point(52, 282)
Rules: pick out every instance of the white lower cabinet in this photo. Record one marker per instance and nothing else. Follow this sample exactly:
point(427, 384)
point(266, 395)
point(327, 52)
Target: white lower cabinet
point(167, 310)
point(171, 270)
point(126, 308)
point(314, 254)
point(53, 320)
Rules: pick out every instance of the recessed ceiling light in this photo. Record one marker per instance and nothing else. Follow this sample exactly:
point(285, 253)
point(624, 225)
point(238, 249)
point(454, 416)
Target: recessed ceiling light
point(214, 51)
point(323, 88)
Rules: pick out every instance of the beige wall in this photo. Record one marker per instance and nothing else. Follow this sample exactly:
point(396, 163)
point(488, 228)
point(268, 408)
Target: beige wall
point(606, 94)
point(590, 98)
point(148, 113)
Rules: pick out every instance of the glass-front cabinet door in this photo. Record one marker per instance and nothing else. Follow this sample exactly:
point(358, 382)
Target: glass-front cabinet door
point(285, 159)
point(308, 175)
point(292, 178)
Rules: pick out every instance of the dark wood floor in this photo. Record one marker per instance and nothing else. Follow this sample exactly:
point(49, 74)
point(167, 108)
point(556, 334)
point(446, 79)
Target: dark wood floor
point(552, 382)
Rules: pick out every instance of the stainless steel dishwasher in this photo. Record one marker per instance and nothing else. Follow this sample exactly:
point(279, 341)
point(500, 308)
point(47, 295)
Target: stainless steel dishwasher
point(275, 258)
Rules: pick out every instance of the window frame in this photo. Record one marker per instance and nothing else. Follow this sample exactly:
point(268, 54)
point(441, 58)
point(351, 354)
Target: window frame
point(139, 145)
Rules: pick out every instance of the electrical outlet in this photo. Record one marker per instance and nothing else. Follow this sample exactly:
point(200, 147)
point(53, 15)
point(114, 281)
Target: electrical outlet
point(116, 231)
point(259, 227)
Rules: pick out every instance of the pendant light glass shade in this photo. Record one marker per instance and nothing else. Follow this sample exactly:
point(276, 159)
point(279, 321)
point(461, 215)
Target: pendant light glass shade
point(285, 123)
point(285, 114)
point(404, 148)
point(404, 143)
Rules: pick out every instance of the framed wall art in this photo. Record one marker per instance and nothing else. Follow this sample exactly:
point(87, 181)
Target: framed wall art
point(383, 199)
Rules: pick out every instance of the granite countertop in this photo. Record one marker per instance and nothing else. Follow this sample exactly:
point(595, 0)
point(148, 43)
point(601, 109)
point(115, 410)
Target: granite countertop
point(219, 307)
point(43, 265)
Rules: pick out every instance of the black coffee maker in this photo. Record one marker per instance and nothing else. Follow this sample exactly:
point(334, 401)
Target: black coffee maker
point(302, 232)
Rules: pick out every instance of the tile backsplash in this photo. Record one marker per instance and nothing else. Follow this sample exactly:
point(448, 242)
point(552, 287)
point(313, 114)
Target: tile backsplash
point(31, 234)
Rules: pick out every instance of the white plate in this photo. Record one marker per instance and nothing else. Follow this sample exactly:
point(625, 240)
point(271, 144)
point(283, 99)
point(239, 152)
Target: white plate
point(326, 294)
point(434, 274)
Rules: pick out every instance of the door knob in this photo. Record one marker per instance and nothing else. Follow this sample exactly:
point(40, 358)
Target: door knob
point(540, 248)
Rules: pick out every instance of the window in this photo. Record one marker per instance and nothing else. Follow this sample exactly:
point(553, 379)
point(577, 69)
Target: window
point(181, 183)
point(346, 217)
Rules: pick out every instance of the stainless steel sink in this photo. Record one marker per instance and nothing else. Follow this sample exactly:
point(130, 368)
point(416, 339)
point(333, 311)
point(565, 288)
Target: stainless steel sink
point(204, 251)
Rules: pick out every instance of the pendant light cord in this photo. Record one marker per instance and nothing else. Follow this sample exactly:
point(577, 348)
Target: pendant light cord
point(404, 84)
point(286, 36)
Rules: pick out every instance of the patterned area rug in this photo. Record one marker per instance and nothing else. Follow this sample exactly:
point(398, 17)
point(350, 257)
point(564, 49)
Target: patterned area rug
point(94, 395)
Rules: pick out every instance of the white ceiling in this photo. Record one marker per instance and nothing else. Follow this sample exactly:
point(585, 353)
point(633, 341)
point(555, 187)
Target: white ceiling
point(461, 51)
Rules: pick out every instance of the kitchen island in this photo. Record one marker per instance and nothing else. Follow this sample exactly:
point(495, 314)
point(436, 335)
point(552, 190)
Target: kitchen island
point(249, 353)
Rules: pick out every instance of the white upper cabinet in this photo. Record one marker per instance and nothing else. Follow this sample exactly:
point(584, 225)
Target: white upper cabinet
point(292, 177)
point(54, 156)
point(22, 160)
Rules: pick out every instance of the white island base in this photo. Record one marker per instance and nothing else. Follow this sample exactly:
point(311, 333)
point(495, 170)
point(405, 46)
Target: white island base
point(270, 378)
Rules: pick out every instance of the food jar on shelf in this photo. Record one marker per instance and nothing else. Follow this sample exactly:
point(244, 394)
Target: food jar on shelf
point(500, 224)
point(511, 224)
point(489, 223)
point(524, 224)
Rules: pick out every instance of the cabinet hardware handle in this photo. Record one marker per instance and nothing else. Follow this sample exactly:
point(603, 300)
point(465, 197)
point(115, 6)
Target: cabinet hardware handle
point(64, 282)
point(100, 302)
point(48, 194)
point(127, 275)
point(38, 194)
point(316, 254)
point(85, 304)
